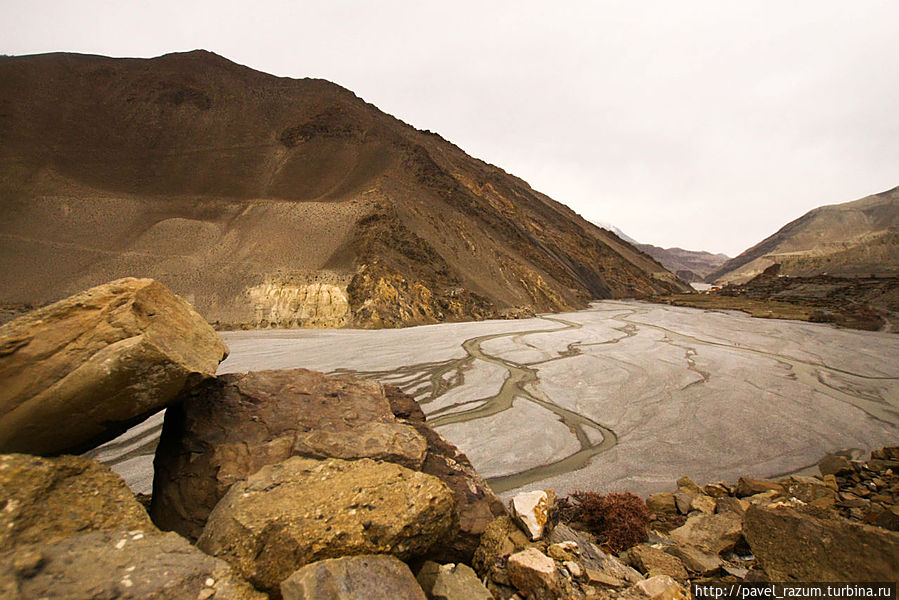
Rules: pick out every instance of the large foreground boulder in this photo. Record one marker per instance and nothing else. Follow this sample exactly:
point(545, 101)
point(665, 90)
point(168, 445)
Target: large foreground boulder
point(81, 371)
point(119, 564)
point(43, 499)
point(794, 546)
point(228, 428)
point(303, 510)
point(353, 578)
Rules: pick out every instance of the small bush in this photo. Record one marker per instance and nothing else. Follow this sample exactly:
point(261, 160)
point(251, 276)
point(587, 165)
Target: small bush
point(619, 520)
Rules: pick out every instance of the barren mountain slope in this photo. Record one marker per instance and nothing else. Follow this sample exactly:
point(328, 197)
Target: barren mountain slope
point(274, 201)
point(689, 265)
point(859, 238)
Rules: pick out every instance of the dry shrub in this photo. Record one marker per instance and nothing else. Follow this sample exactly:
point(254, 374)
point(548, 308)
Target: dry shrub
point(619, 520)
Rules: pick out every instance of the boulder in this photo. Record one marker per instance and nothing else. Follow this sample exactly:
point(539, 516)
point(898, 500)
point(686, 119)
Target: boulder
point(501, 538)
point(476, 504)
point(688, 486)
point(710, 533)
point(451, 582)
point(303, 510)
point(719, 489)
point(532, 572)
point(531, 511)
point(834, 464)
point(810, 490)
point(599, 567)
point(683, 501)
point(694, 559)
point(81, 371)
point(119, 564)
point(729, 504)
point(663, 503)
point(795, 546)
point(353, 578)
point(703, 503)
point(747, 486)
point(49, 498)
point(228, 428)
point(655, 561)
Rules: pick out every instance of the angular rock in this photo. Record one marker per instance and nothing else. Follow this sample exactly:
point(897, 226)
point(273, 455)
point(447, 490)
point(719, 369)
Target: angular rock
point(81, 371)
point(719, 489)
point(476, 504)
point(793, 546)
point(654, 561)
point(451, 582)
point(594, 560)
point(688, 486)
point(683, 501)
point(660, 587)
point(747, 486)
point(710, 533)
point(120, 564)
point(531, 511)
point(501, 538)
point(735, 506)
point(834, 464)
point(532, 572)
point(574, 568)
point(228, 428)
point(303, 510)
point(353, 578)
point(703, 503)
point(810, 490)
point(563, 551)
point(694, 559)
point(49, 498)
point(663, 503)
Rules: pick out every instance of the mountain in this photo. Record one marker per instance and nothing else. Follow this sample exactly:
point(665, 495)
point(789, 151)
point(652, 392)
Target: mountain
point(688, 265)
point(618, 232)
point(269, 201)
point(859, 238)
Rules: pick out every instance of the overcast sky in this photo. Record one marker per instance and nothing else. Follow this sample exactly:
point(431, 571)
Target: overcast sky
point(702, 124)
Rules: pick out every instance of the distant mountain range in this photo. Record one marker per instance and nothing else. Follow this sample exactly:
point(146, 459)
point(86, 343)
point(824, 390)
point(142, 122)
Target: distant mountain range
point(270, 201)
point(854, 239)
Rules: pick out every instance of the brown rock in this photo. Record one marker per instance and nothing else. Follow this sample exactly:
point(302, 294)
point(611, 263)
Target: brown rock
point(792, 546)
point(719, 489)
point(228, 428)
point(694, 559)
point(353, 578)
point(501, 538)
point(663, 503)
point(303, 510)
point(688, 486)
point(684, 500)
point(834, 464)
point(710, 533)
point(810, 490)
point(598, 564)
point(532, 572)
point(654, 561)
point(49, 498)
point(451, 582)
point(120, 564)
point(747, 486)
point(81, 371)
point(735, 506)
point(703, 503)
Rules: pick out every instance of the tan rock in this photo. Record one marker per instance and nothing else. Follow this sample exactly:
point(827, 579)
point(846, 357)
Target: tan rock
point(794, 546)
point(81, 371)
point(719, 489)
point(500, 539)
point(451, 582)
point(694, 559)
point(703, 503)
point(574, 568)
point(604, 569)
point(709, 533)
point(353, 578)
point(747, 486)
point(531, 511)
point(303, 510)
point(660, 587)
point(121, 564)
point(49, 498)
point(688, 486)
point(228, 428)
point(532, 572)
point(684, 501)
point(655, 561)
point(810, 490)
point(563, 551)
point(735, 506)
point(663, 503)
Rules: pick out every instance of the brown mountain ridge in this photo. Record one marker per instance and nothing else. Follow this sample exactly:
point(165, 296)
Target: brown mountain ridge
point(274, 201)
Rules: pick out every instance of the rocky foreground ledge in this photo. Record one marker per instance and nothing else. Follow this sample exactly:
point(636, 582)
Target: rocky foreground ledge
point(296, 485)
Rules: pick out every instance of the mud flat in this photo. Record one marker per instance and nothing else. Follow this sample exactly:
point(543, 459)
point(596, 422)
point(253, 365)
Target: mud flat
point(624, 395)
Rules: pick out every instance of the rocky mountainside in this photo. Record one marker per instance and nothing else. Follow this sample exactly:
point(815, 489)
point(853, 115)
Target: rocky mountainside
point(269, 201)
point(859, 238)
point(688, 265)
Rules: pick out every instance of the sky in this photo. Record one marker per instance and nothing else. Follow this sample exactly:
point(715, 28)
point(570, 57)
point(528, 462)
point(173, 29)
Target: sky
point(700, 124)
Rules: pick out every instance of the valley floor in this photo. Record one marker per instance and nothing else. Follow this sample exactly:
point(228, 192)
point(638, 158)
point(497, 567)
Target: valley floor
point(624, 395)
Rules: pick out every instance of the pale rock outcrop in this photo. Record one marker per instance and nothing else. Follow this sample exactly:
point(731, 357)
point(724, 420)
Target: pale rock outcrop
point(302, 510)
point(310, 300)
point(127, 564)
point(353, 578)
point(44, 499)
point(81, 371)
point(531, 511)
